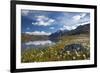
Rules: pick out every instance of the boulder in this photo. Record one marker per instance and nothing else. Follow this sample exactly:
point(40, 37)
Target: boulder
point(74, 47)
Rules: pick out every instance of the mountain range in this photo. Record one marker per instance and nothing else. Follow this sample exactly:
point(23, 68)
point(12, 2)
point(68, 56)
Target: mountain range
point(81, 29)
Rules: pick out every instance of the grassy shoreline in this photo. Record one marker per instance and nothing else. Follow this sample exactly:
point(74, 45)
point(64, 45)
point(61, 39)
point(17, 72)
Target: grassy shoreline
point(55, 52)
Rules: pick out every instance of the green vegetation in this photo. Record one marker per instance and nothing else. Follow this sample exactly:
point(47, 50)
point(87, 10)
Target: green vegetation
point(55, 52)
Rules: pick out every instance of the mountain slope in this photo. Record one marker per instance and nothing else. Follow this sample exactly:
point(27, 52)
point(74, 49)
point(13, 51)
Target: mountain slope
point(82, 29)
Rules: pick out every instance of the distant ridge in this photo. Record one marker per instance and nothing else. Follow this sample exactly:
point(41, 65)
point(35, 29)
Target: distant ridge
point(81, 29)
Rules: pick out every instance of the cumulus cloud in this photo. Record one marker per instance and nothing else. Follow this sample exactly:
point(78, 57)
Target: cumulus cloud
point(83, 15)
point(43, 21)
point(38, 33)
point(78, 17)
point(83, 23)
point(65, 27)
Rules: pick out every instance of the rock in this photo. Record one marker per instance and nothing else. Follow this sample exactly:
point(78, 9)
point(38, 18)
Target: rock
point(74, 47)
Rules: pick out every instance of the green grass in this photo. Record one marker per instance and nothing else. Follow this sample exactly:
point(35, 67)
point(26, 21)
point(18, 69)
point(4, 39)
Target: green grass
point(55, 52)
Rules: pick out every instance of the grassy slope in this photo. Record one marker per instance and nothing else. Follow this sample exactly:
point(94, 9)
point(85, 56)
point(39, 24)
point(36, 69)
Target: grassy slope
point(54, 53)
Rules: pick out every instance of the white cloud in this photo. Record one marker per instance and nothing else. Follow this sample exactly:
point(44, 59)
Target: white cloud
point(65, 27)
point(78, 17)
point(25, 12)
point(83, 15)
point(39, 18)
point(38, 33)
point(52, 28)
point(83, 23)
point(43, 21)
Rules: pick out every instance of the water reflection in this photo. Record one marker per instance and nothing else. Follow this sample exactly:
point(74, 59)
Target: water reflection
point(36, 44)
point(42, 43)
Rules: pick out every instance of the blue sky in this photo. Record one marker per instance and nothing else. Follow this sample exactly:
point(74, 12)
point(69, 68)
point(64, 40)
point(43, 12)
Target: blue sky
point(47, 22)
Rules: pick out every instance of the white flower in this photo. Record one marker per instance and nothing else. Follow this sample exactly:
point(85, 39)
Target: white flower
point(74, 57)
point(77, 53)
point(68, 52)
point(84, 56)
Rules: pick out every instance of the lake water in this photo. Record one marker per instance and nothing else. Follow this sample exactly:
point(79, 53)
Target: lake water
point(36, 44)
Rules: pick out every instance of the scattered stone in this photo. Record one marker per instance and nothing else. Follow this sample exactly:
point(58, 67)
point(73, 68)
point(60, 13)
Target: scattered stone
point(74, 48)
